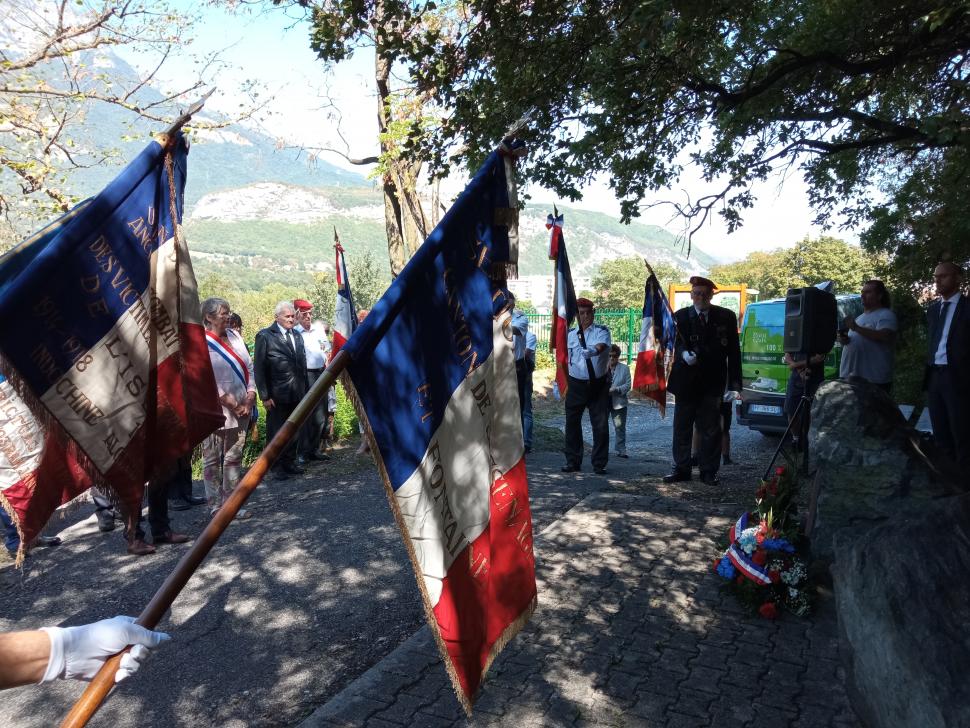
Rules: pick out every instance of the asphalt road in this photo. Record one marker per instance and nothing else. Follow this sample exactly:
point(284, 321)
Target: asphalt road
point(291, 605)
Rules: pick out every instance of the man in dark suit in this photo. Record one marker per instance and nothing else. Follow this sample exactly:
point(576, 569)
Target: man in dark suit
point(707, 354)
point(281, 378)
point(947, 381)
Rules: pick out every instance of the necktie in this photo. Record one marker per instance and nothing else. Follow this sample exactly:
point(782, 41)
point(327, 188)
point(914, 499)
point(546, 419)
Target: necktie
point(289, 339)
point(703, 318)
point(938, 331)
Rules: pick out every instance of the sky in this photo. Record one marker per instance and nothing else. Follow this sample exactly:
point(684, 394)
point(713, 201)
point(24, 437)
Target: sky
point(273, 49)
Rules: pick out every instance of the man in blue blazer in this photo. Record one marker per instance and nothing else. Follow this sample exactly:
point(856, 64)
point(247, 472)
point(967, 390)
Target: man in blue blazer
point(947, 379)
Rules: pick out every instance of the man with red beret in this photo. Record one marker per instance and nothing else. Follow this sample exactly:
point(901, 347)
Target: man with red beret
point(706, 355)
point(588, 389)
point(317, 348)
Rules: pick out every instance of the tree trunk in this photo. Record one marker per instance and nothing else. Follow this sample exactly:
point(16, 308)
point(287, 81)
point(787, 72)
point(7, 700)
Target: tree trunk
point(404, 219)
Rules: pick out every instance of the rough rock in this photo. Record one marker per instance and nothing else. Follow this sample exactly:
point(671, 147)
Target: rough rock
point(870, 464)
point(903, 597)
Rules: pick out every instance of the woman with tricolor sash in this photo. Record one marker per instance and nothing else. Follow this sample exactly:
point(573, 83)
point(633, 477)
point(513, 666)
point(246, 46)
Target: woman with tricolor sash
point(222, 451)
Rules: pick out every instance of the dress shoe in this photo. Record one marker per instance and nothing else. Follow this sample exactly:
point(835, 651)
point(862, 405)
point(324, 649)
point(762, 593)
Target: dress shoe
point(622, 455)
point(599, 471)
point(677, 476)
point(140, 548)
point(46, 541)
point(106, 520)
point(171, 537)
point(320, 457)
point(183, 503)
point(710, 479)
point(570, 468)
point(290, 469)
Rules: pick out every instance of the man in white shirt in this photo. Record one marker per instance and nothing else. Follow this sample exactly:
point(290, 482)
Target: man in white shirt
point(868, 341)
point(587, 389)
point(317, 348)
point(947, 382)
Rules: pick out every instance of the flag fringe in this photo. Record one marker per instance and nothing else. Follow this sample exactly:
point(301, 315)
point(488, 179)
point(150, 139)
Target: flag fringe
point(51, 429)
point(509, 633)
point(21, 549)
point(465, 701)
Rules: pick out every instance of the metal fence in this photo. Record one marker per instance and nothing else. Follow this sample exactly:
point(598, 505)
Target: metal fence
point(623, 323)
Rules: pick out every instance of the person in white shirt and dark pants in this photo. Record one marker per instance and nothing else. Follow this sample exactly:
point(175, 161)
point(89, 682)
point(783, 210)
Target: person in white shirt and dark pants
point(588, 389)
point(317, 347)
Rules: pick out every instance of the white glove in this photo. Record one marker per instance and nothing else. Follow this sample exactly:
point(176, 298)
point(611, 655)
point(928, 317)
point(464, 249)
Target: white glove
point(79, 652)
point(588, 354)
point(730, 395)
point(689, 357)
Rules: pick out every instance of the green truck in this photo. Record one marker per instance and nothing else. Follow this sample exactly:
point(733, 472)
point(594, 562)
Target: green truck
point(764, 376)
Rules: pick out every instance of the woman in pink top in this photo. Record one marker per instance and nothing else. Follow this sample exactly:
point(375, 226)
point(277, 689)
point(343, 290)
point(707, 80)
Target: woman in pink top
point(222, 451)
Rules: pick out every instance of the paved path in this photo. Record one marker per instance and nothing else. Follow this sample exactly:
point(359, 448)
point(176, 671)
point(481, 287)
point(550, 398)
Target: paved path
point(631, 630)
point(288, 609)
point(312, 603)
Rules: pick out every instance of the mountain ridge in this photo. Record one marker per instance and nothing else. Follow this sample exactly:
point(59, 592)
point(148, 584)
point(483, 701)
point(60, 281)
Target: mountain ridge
point(244, 226)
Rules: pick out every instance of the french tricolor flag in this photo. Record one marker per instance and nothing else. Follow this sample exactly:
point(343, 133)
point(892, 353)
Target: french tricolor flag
point(107, 374)
point(432, 372)
point(344, 314)
point(564, 308)
point(657, 334)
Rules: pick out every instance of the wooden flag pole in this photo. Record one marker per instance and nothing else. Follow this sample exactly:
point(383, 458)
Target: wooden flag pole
point(98, 689)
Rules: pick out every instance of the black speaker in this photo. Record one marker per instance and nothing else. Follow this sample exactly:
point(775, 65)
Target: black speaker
point(811, 317)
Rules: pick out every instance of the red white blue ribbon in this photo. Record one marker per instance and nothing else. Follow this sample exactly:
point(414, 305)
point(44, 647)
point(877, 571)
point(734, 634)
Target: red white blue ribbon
point(743, 563)
point(738, 527)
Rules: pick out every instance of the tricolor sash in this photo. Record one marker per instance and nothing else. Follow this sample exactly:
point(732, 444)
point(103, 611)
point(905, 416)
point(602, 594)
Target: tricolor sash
point(230, 356)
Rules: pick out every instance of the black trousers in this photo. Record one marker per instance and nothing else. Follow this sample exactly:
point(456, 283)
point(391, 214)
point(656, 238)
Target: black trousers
point(274, 421)
point(949, 401)
point(705, 413)
point(180, 484)
point(593, 395)
point(156, 493)
point(312, 429)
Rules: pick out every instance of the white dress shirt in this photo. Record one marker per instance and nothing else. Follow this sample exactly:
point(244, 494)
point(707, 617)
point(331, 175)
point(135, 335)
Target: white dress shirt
point(521, 322)
point(316, 344)
point(940, 359)
point(595, 334)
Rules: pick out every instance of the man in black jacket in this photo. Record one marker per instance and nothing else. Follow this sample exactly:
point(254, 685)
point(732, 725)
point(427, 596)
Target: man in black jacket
point(707, 354)
point(281, 378)
point(947, 364)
